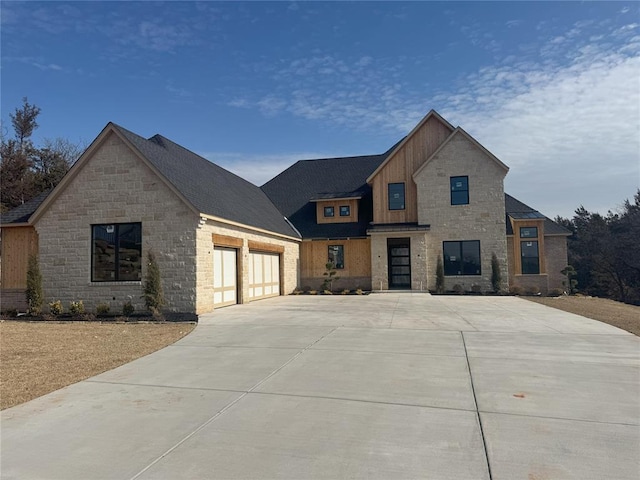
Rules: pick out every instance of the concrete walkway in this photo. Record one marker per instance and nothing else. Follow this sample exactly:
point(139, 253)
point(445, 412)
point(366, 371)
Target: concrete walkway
point(386, 386)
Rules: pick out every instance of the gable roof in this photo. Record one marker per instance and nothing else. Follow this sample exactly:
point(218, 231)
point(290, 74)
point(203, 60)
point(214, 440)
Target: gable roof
point(203, 185)
point(432, 114)
point(460, 131)
point(296, 191)
point(22, 213)
point(517, 210)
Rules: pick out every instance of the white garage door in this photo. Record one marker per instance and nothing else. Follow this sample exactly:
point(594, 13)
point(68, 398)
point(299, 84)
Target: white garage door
point(224, 277)
point(264, 275)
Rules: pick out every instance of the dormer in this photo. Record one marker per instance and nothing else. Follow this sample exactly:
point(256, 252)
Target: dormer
point(337, 207)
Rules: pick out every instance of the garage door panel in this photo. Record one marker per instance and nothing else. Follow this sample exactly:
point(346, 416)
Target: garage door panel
point(224, 277)
point(264, 275)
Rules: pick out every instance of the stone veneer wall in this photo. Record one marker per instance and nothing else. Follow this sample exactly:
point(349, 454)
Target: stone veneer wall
point(115, 186)
point(482, 219)
point(289, 264)
point(380, 261)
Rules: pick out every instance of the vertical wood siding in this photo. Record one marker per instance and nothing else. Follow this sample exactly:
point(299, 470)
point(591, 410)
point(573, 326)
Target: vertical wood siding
point(17, 244)
point(357, 257)
point(401, 167)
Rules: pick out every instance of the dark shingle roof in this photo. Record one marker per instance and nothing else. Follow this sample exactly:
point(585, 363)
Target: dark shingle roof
point(22, 213)
point(211, 189)
point(292, 190)
point(518, 210)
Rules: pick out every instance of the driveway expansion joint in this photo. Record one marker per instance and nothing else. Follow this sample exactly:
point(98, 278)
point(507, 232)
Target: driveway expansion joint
point(475, 401)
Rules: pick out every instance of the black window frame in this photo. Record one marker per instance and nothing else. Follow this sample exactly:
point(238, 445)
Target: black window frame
point(463, 247)
point(340, 254)
point(456, 192)
point(389, 198)
point(529, 267)
point(117, 251)
point(525, 235)
point(348, 210)
point(329, 209)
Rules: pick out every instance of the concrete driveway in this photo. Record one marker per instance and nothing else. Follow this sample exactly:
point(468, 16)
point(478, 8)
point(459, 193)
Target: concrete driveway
point(384, 386)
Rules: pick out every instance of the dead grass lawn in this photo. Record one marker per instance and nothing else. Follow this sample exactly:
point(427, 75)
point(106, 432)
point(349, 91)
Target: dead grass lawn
point(614, 313)
point(38, 358)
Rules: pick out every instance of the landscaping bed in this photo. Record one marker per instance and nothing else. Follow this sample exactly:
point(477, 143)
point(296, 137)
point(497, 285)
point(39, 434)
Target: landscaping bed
point(621, 315)
point(38, 357)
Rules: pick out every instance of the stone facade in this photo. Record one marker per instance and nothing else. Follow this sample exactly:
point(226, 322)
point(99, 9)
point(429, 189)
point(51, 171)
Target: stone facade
point(483, 218)
point(115, 186)
point(289, 261)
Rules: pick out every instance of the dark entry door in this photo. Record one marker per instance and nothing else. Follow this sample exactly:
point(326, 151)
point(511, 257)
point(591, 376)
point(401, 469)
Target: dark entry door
point(399, 255)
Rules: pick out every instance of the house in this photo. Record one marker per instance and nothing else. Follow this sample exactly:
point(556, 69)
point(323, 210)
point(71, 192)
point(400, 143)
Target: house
point(384, 221)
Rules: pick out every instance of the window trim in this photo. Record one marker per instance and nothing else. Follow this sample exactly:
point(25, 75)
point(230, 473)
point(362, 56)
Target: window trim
point(460, 243)
point(404, 196)
point(329, 209)
point(340, 249)
point(348, 207)
point(117, 253)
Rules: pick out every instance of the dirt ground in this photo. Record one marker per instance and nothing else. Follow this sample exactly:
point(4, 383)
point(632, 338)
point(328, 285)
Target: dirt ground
point(608, 311)
point(38, 358)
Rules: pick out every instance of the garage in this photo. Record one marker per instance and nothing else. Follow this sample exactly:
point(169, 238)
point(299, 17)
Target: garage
point(225, 275)
point(264, 275)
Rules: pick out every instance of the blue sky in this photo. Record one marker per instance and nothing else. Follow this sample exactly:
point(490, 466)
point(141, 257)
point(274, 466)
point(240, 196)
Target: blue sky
point(551, 88)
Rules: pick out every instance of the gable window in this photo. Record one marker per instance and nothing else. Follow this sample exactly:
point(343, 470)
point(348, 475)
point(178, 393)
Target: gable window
point(462, 258)
point(459, 190)
point(396, 196)
point(530, 257)
point(345, 211)
point(336, 256)
point(328, 211)
point(116, 252)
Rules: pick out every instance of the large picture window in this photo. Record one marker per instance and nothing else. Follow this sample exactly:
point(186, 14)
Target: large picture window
point(459, 190)
point(462, 258)
point(336, 256)
point(530, 257)
point(116, 252)
point(396, 196)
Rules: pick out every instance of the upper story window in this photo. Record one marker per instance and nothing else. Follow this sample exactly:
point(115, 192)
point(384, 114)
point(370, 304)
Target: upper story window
point(396, 196)
point(116, 252)
point(345, 211)
point(328, 212)
point(459, 190)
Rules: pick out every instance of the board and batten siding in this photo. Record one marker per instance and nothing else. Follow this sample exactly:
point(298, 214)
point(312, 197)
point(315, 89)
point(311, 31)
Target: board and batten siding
point(336, 204)
point(17, 244)
point(400, 168)
point(314, 255)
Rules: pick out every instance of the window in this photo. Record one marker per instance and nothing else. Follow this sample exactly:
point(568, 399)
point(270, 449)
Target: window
point(459, 190)
point(530, 257)
point(116, 252)
point(396, 196)
point(328, 211)
point(462, 258)
point(336, 255)
point(528, 232)
point(345, 211)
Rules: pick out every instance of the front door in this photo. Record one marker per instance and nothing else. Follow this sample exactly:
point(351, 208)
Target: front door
point(399, 255)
